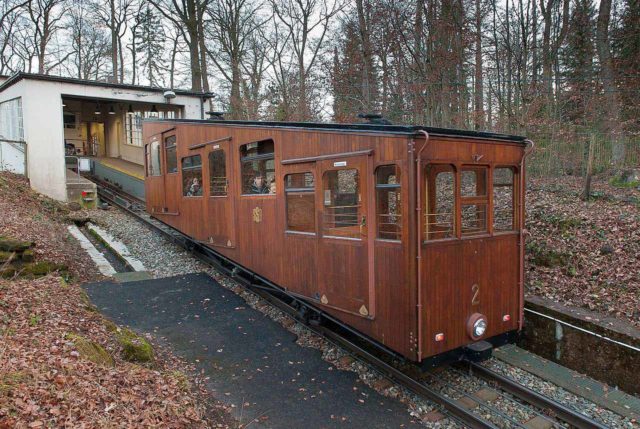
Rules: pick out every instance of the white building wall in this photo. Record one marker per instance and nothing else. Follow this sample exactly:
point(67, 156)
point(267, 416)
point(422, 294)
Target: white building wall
point(43, 126)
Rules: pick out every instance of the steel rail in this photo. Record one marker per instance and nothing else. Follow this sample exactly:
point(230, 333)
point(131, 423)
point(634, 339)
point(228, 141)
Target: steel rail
point(267, 291)
point(561, 411)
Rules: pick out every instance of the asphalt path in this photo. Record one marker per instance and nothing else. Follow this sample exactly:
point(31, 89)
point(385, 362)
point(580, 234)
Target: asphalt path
point(252, 362)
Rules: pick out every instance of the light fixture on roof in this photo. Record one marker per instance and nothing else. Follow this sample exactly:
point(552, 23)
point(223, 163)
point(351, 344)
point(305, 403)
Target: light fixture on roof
point(97, 109)
point(154, 109)
point(64, 104)
point(111, 111)
point(130, 110)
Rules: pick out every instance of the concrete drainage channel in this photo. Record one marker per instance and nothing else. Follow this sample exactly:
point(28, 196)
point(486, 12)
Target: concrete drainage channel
point(110, 255)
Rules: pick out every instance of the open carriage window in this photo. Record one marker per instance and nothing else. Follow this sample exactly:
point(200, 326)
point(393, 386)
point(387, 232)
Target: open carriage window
point(473, 200)
point(153, 159)
point(171, 154)
point(300, 198)
point(388, 204)
point(503, 199)
point(342, 210)
point(258, 168)
point(192, 176)
point(217, 174)
point(441, 198)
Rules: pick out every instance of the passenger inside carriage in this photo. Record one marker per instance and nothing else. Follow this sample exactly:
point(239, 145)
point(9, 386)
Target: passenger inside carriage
point(259, 185)
point(194, 189)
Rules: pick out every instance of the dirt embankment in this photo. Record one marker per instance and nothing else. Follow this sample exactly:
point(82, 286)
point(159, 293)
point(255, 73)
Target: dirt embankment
point(62, 364)
point(585, 253)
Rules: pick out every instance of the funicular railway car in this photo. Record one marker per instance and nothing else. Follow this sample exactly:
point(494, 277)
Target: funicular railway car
point(412, 236)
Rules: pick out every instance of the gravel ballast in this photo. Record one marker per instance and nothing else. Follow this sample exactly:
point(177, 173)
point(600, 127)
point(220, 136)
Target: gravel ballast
point(163, 259)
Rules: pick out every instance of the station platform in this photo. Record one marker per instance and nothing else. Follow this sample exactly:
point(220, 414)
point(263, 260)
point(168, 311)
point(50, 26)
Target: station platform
point(252, 363)
point(126, 175)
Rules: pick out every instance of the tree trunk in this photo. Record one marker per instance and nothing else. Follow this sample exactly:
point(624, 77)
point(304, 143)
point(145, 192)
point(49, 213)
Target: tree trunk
point(114, 42)
point(235, 99)
point(586, 192)
point(194, 60)
point(478, 90)
point(367, 60)
point(611, 105)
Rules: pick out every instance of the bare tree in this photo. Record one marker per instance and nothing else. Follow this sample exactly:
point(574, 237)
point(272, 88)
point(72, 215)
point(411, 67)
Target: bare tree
point(89, 43)
point(303, 19)
point(233, 24)
point(10, 13)
point(46, 16)
point(187, 16)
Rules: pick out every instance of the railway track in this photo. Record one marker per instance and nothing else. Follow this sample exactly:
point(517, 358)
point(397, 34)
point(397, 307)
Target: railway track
point(469, 408)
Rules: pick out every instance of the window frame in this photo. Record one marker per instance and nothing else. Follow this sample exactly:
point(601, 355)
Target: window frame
point(476, 200)
point(455, 170)
point(487, 199)
point(397, 186)
point(226, 172)
point(360, 208)
point(149, 157)
point(515, 198)
point(166, 155)
point(182, 169)
point(260, 157)
point(311, 191)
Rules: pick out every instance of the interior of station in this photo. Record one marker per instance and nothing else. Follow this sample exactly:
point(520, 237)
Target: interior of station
point(103, 138)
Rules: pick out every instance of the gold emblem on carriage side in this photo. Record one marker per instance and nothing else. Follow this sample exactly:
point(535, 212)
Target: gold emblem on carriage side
point(257, 215)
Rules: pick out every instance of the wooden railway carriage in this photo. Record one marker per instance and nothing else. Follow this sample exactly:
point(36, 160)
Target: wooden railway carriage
point(411, 235)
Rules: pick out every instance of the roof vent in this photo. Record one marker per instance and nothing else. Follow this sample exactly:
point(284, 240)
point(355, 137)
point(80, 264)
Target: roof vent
point(374, 118)
point(215, 116)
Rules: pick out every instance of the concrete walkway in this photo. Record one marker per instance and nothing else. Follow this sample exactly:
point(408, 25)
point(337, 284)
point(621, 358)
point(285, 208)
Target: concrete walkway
point(253, 362)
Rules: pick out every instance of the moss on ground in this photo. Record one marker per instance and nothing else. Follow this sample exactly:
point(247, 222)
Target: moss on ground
point(11, 245)
point(6, 256)
point(545, 257)
point(32, 269)
point(134, 347)
point(91, 351)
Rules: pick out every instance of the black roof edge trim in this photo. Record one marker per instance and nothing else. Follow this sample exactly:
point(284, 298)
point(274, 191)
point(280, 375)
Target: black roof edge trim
point(62, 79)
point(328, 126)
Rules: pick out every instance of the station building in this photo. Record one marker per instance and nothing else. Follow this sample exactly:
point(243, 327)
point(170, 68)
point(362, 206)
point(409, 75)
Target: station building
point(52, 129)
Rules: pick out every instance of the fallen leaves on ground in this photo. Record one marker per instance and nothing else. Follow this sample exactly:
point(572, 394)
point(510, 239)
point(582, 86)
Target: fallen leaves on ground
point(597, 243)
point(47, 380)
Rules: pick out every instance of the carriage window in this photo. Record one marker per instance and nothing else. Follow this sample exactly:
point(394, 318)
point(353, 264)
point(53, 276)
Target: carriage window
point(217, 174)
point(473, 200)
point(503, 199)
point(299, 191)
point(258, 168)
point(153, 159)
point(473, 182)
point(474, 218)
point(388, 207)
point(192, 176)
point(342, 209)
point(171, 154)
point(440, 215)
